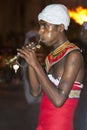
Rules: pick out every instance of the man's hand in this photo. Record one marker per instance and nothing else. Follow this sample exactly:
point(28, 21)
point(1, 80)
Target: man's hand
point(28, 53)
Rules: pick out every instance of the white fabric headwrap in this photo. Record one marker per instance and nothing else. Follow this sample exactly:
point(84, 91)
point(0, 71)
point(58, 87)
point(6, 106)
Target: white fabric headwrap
point(56, 14)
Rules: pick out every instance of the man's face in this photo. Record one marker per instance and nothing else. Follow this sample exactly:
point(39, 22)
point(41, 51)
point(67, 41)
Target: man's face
point(48, 33)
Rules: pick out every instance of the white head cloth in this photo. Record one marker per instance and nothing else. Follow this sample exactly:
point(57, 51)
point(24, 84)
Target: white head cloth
point(56, 14)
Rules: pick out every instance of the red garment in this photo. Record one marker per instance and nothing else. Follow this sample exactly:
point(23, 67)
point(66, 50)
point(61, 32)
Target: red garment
point(52, 118)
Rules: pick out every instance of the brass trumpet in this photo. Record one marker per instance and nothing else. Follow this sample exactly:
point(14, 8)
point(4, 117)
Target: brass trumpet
point(17, 58)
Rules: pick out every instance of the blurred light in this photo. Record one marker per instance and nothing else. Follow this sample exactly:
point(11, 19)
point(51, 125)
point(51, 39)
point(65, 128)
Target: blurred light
point(15, 67)
point(79, 15)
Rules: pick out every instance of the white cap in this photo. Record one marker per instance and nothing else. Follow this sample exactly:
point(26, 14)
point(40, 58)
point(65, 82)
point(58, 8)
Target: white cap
point(56, 14)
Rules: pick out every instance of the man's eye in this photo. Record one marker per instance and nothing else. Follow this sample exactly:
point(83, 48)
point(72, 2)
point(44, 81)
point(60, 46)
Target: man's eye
point(45, 26)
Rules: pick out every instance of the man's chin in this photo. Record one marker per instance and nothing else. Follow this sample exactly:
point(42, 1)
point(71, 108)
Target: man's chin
point(44, 42)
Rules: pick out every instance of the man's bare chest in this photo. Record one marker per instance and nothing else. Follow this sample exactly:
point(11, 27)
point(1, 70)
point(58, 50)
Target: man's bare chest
point(57, 69)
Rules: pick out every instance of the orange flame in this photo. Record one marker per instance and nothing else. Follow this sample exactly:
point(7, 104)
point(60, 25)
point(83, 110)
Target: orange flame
point(79, 15)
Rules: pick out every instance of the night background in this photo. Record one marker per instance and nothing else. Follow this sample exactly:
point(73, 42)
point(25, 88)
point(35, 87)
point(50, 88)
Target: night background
point(17, 17)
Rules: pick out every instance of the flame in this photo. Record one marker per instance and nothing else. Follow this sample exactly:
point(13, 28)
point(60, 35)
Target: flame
point(79, 15)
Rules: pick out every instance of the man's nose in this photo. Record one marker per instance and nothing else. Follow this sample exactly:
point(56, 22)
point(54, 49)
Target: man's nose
point(41, 30)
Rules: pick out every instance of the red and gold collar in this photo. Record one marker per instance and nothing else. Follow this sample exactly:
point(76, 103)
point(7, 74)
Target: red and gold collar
point(56, 55)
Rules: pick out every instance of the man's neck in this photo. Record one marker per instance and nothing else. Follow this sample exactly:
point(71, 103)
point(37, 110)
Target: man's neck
point(59, 43)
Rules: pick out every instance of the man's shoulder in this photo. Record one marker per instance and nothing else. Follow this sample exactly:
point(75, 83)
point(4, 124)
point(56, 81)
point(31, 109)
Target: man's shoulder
point(75, 54)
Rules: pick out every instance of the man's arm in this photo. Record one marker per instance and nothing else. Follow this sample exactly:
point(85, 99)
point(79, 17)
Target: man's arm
point(37, 75)
point(59, 95)
point(35, 87)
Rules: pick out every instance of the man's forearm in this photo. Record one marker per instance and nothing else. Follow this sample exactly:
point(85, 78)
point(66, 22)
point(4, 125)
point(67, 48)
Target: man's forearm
point(33, 81)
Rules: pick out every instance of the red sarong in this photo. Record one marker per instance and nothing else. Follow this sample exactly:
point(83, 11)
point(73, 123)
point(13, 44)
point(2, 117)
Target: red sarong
point(52, 118)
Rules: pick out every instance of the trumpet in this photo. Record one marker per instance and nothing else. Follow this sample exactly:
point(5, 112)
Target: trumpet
point(17, 58)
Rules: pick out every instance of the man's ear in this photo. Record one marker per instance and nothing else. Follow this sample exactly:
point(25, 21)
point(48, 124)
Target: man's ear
point(61, 27)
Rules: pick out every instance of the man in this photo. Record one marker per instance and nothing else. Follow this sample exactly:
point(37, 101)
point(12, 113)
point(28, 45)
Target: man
point(62, 82)
point(80, 119)
point(30, 36)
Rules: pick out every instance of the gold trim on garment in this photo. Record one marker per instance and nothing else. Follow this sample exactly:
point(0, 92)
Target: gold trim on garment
point(74, 94)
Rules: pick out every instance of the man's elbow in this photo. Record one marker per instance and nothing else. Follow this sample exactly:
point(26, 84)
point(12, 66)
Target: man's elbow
point(35, 94)
point(59, 103)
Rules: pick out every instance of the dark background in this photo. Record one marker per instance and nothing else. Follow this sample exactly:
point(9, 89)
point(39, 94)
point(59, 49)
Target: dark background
point(16, 18)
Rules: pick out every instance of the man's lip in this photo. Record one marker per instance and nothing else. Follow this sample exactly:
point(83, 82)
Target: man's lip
point(41, 39)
